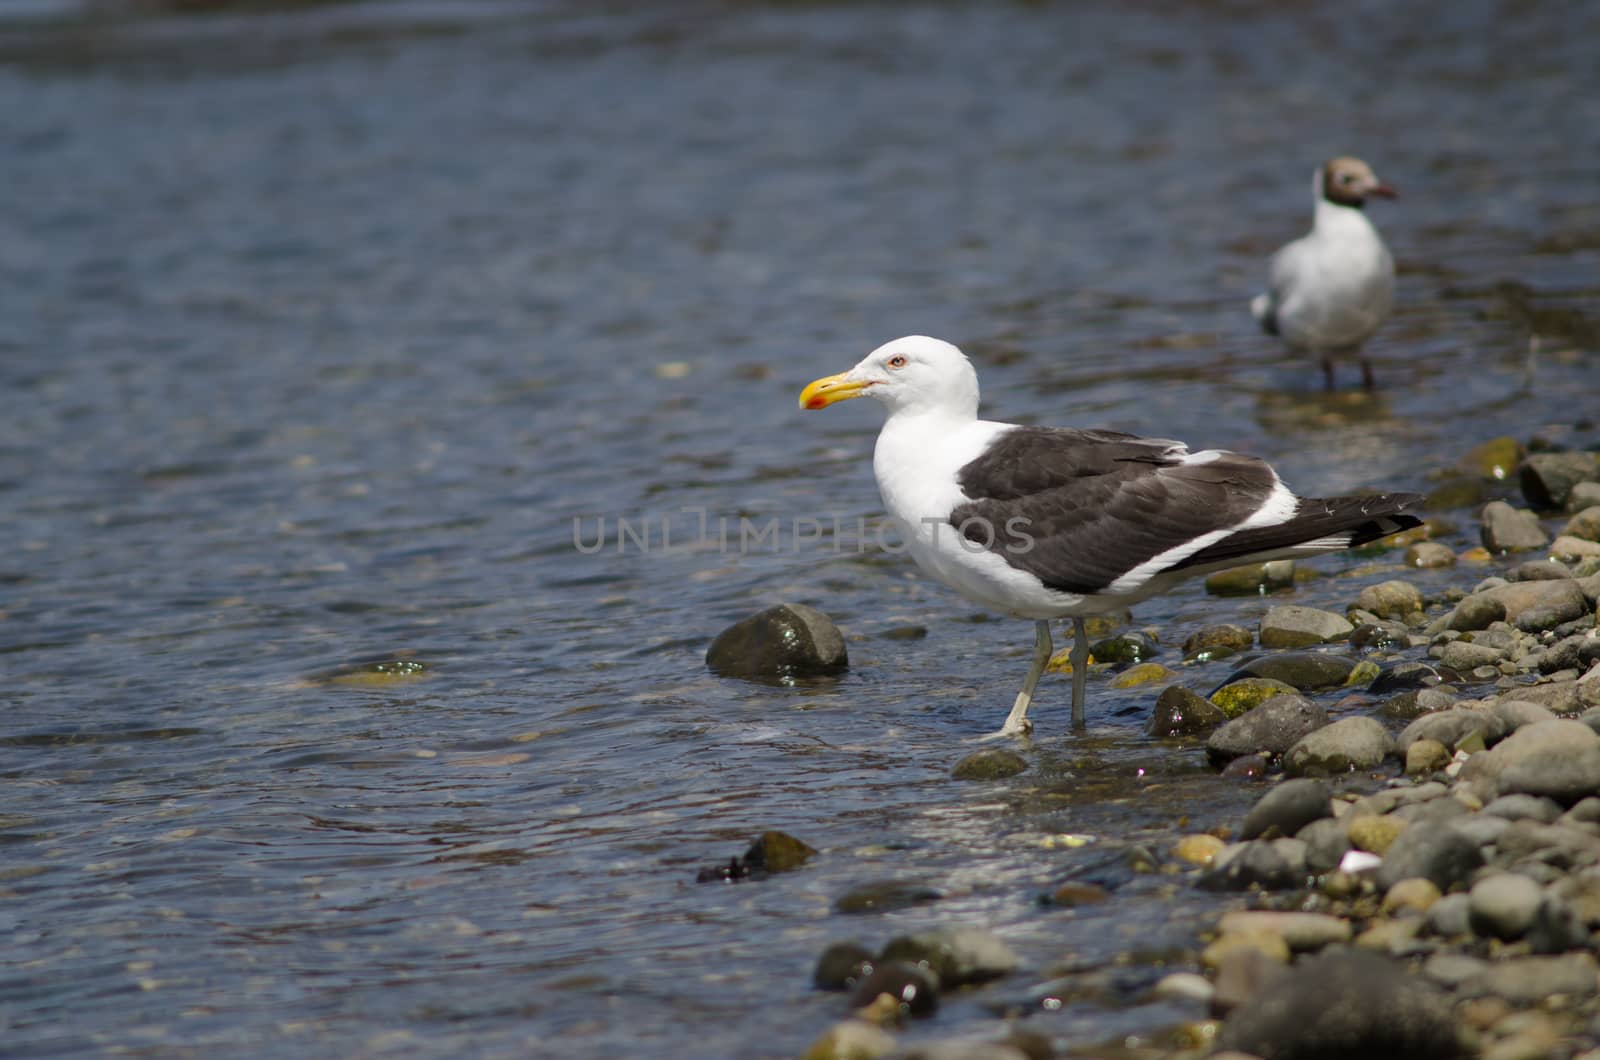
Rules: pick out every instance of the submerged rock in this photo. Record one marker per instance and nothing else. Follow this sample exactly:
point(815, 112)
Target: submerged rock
point(772, 851)
point(782, 642)
point(1132, 647)
point(1180, 712)
point(884, 896)
point(1252, 579)
point(842, 965)
point(957, 955)
point(1391, 599)
point(1429, 554)
point(1304, 671)
point(1344, 1003)
point(912, 987)
point(1217, 642)
point(989, 763)
point(1294, 626)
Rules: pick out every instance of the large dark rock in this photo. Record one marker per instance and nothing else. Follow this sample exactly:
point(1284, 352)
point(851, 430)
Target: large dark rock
point(989, 763)
point(842, 965)
point(1217, 642)
point(1273, 728)
point(1288, 807)
point(1341, 1004)
point(1547, 478)
point(782, 642)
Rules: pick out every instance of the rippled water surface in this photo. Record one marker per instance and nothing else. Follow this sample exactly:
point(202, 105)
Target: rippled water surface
point(319, 328)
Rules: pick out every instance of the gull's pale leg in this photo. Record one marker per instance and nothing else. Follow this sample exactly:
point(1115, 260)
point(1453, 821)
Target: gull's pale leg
point(1080, 671)
point(1017, 723)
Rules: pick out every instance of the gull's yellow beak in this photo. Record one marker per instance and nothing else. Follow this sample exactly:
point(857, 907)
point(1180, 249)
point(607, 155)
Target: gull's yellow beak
point(825, 391)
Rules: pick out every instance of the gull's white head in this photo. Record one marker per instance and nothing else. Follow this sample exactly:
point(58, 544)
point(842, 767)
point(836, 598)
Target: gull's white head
point(915, 374)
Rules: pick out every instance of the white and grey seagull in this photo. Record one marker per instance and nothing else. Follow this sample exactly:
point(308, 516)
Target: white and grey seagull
point(1056, 522)
point(1329, 290)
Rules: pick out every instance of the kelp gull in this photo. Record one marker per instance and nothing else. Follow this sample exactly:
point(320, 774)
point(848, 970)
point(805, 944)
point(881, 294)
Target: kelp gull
point(1050, 522)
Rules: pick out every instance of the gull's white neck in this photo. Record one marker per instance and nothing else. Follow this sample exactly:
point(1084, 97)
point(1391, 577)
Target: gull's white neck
point(1333, 221)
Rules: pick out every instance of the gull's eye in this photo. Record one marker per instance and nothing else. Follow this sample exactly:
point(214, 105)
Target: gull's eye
point(1347, 178)
point(898, 361)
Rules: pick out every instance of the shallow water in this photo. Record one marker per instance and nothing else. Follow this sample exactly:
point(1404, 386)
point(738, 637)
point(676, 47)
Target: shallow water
point(319, 329)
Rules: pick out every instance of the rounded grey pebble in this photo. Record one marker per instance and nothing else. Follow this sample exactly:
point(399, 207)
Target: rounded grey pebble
point(1288, 807)
point(1518, 807)
point(1503, 906)
point(1450, 916)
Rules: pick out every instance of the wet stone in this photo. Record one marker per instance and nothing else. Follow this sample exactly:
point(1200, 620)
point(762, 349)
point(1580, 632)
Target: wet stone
point(1180, 712)
point(1495, 460)
point(1272, 728)
point(1429, 555)
point(1252, 579)
point(1448, 917)
point(1508, 529)
point(1376, 636)
point(1303, 671)
point(1198, 849)
point(885, 896)
point(772, 851)
point(1248, 767)
point(1293, 626)
point(783, 642)
point(989, 763)
point(1071, 895)
point(1404, 675)
point(1390, 599)
point(1548, 478)
point(1287, 808)
point(1347, 745)
point(904, 633)
point(1344, 1003)
point(1134, 647)
point(1217, 642)
point(956, 955)
point(1238, 697)
point(1141, 674)
point(911, 986)
point(842, 965)
point(1573, 549)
